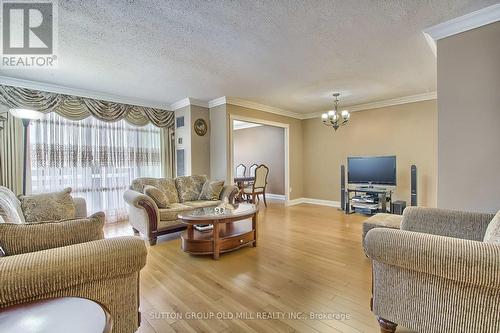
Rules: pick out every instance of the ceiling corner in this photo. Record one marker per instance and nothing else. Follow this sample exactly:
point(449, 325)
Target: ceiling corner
point(466, 22)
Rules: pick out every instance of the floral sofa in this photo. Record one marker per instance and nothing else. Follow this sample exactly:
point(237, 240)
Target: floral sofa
point(155, 203)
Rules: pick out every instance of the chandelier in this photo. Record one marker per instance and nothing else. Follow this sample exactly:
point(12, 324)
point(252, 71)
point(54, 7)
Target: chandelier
point(333, 118)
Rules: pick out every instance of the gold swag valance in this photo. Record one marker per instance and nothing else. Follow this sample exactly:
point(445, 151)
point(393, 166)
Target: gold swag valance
point(78, 108)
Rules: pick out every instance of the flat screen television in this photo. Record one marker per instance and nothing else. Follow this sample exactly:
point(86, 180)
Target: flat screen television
point(376, 170)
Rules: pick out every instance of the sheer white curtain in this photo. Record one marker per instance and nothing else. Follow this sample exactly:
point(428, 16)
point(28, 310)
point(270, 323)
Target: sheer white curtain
point(97, 159)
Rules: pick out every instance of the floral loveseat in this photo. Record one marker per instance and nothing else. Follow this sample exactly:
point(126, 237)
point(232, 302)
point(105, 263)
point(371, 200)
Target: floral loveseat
point(155, 203)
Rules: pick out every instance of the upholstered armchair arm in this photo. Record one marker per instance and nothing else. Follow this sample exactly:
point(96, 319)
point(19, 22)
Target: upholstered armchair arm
point(30, 276)
point(32, 237)
point(462, 260)
point(229, 192)
point(445, 222)
point(144, 215)
point(80, 207)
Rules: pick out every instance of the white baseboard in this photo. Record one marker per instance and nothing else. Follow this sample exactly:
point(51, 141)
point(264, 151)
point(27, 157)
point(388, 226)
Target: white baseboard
point(275, 196)
point(329, 203)
point(294, 202)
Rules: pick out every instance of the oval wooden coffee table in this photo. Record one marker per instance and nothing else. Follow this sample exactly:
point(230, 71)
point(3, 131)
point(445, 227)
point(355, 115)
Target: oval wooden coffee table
point(231, 230)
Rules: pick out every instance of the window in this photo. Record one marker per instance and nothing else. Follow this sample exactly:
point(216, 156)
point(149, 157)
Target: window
point(97, 159)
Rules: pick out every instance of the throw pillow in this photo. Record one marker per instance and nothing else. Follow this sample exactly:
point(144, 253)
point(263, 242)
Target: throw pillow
point(53, 206)
point(492, 234)
point(32, 237)
point(167, 186)
point(157, 195)
point(211, 190)
point(189, 187)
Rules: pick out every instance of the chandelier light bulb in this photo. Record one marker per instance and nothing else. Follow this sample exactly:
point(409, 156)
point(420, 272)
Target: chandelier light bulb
point(324, 116)
point(345, 114)
point(331, 113)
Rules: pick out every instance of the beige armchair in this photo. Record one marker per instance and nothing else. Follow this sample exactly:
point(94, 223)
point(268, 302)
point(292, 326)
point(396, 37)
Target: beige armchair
point(439, 273)
point(70, 258)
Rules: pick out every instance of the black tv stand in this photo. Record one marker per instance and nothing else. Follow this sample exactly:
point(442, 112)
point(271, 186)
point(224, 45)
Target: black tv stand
point(384, 195)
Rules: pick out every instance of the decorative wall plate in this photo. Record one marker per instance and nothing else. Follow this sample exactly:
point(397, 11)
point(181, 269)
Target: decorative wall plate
point(200, 127)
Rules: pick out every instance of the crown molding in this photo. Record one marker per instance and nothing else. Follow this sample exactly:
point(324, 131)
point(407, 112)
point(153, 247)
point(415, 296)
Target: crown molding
point(216, 102)
point(466, 22)
point(261, 107)
point(79, 92)
point(180, 104)
point(253, 105)
point(380, 104)
point(198, 102)
point(186, 102)
point(394, 101)
point(211, 104)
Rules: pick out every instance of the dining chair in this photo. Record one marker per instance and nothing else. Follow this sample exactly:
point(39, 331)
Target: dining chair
point(252, 168)
point(241, 170)
point(259, 185)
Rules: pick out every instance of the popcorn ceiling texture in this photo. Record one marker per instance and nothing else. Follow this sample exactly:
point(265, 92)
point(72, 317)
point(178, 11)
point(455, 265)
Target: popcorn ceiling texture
point(288, 54)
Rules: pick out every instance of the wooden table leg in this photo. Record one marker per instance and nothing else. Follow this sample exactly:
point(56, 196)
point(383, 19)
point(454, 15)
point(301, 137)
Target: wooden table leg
point(254, 227)
point(240, 191)
point(190, 231)
point(216, 240)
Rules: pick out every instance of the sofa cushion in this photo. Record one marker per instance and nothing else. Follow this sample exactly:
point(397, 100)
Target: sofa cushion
point(211, 190)
point(14, 201)
point(167, 186)
point(202, 203)
point(32, 237)
point(492, 234)
point(54, 206)
point(189, 187)
point(157, 195)
point(168, 214)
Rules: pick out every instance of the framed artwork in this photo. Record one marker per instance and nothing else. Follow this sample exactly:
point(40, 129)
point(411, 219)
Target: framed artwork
point(200, 127)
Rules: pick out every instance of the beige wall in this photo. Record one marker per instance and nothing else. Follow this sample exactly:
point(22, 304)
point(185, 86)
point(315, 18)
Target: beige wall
point(468, 67)
point(262, 145)
point(408, 131)
point(218, 143)
point(200, 145)
point(295, 142)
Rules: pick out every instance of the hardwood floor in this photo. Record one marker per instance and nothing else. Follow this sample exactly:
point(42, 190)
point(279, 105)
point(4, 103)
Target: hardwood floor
point(309, 259)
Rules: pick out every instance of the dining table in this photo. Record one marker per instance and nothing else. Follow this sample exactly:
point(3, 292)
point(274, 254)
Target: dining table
point(240, 183)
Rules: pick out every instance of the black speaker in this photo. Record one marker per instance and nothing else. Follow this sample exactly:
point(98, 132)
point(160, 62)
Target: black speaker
point(397, 207)
point(413, 175)
point(342, 188)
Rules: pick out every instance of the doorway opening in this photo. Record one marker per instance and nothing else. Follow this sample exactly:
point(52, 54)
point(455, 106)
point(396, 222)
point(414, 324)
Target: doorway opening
point(254, 142)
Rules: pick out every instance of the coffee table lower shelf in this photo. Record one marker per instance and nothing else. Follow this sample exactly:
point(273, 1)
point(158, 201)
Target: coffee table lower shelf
point(232, 236)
